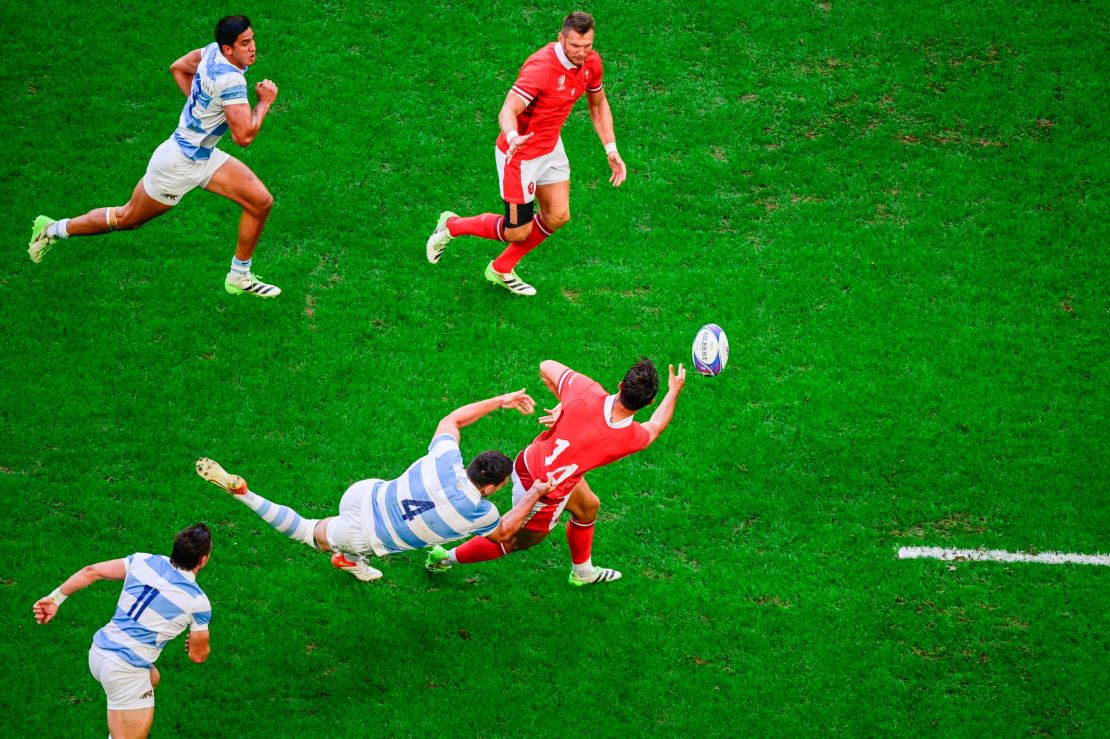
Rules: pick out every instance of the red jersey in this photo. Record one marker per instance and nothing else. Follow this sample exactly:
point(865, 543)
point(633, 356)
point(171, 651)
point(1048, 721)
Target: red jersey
point(550, 85)
point(582, 439)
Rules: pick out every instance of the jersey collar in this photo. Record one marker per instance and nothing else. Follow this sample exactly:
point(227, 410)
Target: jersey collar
point(469, 489)
point(187, 574)
point(567, 63)
point(609, 414)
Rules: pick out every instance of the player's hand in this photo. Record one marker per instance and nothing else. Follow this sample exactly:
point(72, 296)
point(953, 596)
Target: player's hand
point(519, 400)
point(266, 91)
point(543, 487)
point(45, 609)
point(620, 172)
point(675, 382)
point(517, 142)
point(552, 415)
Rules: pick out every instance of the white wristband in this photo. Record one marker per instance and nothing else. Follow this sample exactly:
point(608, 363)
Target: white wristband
point(610, 147)
point(58, 596)
point(510, 136)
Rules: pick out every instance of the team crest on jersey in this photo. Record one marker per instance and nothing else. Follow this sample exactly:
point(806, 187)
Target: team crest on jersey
point(562, 82)
point(531, 188)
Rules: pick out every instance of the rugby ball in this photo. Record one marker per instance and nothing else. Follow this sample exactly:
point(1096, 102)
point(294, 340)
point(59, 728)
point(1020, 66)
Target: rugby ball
point(710, 350)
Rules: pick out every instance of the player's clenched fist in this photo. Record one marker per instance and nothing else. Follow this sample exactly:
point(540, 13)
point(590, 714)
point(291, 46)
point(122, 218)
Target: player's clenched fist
point(266, 91)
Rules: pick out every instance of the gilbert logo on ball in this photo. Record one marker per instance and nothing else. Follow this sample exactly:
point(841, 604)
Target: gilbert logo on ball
point(710, 350)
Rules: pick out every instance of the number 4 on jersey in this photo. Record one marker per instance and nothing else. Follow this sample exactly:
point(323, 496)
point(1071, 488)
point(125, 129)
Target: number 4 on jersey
point(414, 508)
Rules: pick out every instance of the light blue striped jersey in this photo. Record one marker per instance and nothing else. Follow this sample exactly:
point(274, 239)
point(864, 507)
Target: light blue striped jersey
point(432, 503)
point(217, 83)
point(158, 602)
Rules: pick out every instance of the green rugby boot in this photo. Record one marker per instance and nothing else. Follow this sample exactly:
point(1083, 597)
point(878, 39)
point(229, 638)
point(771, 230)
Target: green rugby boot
point(509, 281)
point(247, 283)
point(600, 574)
point(437, 560)
point(40, 242)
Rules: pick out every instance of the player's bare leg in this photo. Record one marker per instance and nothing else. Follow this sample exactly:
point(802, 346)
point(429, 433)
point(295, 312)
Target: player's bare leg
point(236, 182)
point(554, 213)
point(131, 724)
point(524, 539)
point(140, 209)
point(583, 506)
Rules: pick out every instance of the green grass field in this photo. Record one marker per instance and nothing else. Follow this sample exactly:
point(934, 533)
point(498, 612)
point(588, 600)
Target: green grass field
point(897, 211)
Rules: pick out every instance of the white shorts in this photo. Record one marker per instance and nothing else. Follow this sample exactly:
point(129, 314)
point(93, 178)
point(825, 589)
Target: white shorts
point(127, 687)
point(348, 533)
point(170, 174)
point(519, 179)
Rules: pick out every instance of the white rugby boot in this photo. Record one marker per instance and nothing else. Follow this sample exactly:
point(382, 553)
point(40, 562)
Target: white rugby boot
point(356, 567)
point(439, 239)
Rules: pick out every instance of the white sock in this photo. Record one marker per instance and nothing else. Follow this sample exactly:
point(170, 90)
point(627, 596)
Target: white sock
point(58, 229)
point(240, 267)
point(451, 558)
point(586, 568)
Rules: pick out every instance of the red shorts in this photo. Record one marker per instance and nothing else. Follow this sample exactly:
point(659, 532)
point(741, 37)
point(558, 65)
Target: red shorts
point(547, 510)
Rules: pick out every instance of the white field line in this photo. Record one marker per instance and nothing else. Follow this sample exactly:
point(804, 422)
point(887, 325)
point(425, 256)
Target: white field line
point(1000, 555)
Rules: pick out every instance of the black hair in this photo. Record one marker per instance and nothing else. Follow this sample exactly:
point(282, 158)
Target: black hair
point(190, 546)
point(489, 468)
point(229, 27)
point(640, 385)
point(578, 22)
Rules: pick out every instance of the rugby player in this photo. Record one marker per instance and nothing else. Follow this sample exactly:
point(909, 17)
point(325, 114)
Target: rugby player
point(587, 429)
point(436, 500)
point(532, 165)
point(160, 599)
point(214, 84)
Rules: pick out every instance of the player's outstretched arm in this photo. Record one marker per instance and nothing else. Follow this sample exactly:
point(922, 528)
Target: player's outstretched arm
point(245, 122)
point(602, 117)
point(470, 413)
point(515, 518)
point(550, 372)
point(665, 411)
point(46, 608)
point(184, 69)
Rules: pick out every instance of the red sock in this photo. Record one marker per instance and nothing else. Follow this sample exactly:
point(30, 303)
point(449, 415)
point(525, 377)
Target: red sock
point(485, 226)
point(515, 252)
point(478, 549)
point(580, 538)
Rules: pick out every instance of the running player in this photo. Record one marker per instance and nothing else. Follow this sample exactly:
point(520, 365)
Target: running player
point(213, 80)
point(588, 428)
point(436, 500)
point(160, 599)
point(531, 162)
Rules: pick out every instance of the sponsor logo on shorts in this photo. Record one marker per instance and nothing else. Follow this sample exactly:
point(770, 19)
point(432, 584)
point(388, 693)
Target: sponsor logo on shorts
point(147, 694)
point(531, 188)
point(169, 196)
